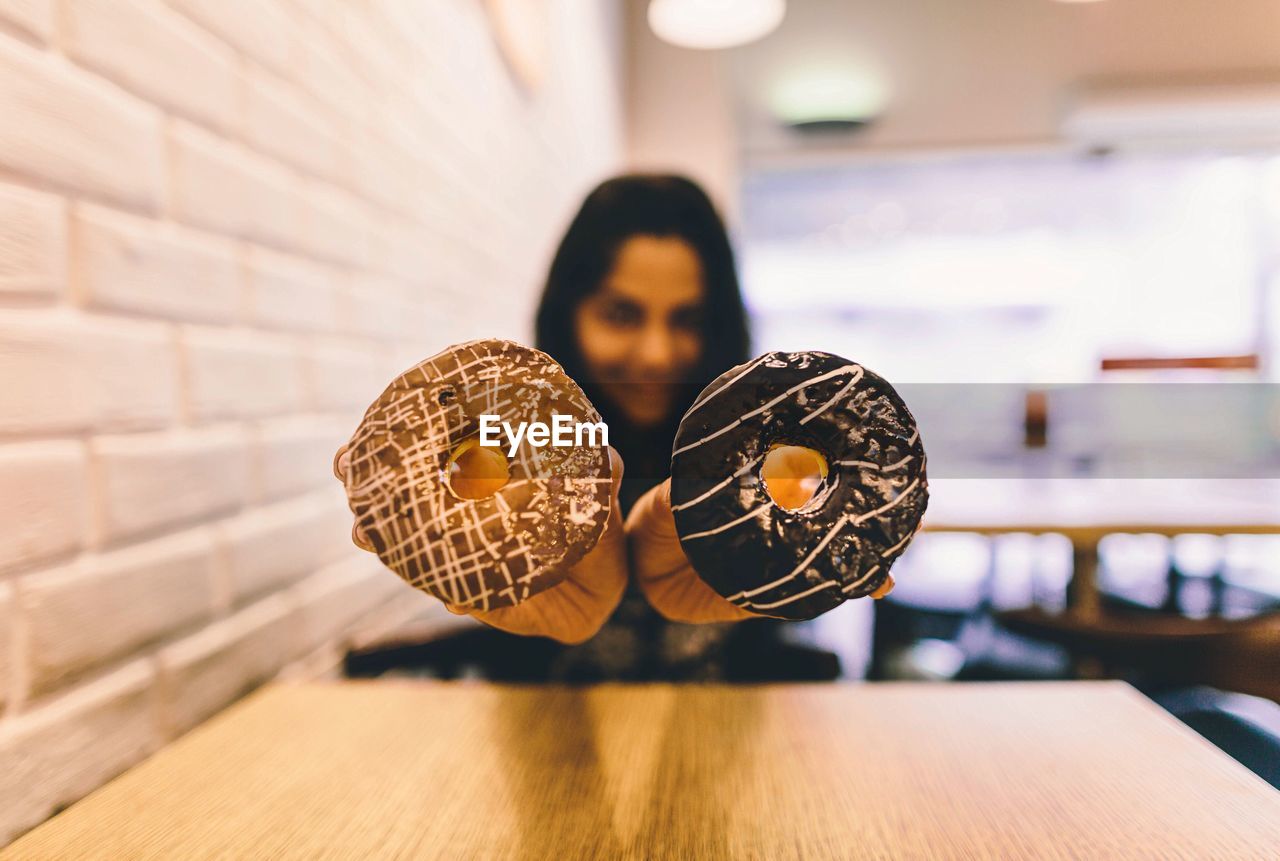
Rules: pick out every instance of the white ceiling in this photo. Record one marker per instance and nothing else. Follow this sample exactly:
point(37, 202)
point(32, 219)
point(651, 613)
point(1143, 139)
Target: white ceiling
point(989, 73)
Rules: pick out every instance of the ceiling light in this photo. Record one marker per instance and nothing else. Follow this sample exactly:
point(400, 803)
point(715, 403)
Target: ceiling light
point(709, 24)
point(828, 98)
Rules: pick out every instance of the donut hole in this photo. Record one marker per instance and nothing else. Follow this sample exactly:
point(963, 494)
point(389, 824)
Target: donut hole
point(792, 475)
point(476, 471)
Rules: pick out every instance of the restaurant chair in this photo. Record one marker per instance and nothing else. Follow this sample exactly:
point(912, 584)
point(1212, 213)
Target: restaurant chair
point(1245, 727)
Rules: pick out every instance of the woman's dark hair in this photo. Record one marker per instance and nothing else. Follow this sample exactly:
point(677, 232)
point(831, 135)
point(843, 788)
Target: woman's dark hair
point(655, 205)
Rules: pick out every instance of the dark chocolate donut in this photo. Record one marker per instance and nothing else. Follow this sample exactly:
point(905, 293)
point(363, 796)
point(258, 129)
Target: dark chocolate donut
point(797, 564)
point(480, 553)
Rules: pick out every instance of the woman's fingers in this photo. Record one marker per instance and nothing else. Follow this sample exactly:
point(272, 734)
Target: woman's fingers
point(341, 461)
point(360, 539)
point(663, 571)
point(341, 465)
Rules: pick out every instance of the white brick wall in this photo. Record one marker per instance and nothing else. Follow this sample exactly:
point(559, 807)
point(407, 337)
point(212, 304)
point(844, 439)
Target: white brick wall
point(152, 481)
point(53, 755)
point(223, 227)
point(274, 545)
point(6, 641)
point(76, 131)
point(67, 373)
point(33, 250)
point(106, 605)
point(240, 373)
point(33, 18)
point(293, 455)
point(293, 293)
point(202, 673)
point(43, 501)
point(132, 265)
point(156, 52)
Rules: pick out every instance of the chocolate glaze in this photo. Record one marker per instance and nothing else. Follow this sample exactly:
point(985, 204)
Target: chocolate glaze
point(839, 545)
point(483, 553)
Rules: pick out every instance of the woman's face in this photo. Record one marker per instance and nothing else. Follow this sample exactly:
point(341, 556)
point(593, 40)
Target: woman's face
point(640, 333)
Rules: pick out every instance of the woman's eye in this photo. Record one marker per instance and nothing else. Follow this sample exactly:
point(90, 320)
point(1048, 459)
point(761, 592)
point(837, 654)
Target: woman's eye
point(688, 320)
point(621, 314)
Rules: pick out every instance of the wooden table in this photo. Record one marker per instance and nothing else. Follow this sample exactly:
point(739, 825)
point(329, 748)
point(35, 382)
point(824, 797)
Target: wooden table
point(1086, 509)
point(470, 770)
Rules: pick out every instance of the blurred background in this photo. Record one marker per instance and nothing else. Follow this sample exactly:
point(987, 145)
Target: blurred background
point(224, 225)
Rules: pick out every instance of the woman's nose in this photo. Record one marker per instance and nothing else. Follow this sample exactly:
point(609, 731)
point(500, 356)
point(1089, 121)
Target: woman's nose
point(656, 351)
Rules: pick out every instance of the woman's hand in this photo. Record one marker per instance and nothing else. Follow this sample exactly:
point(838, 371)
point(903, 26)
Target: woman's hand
point(663, 571)
point(574, 609)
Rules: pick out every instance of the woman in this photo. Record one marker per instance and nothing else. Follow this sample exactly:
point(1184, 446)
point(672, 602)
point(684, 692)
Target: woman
point(642, 308)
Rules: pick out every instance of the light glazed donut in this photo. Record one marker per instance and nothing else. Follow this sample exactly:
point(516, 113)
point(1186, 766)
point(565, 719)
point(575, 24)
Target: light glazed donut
point(480, 553)
point(796, 564)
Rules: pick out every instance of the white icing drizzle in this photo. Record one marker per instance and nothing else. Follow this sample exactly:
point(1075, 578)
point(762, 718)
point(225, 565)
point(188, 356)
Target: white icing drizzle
point(825, 584)
point(839, 524)
point(732, 523)
point(768, 405)
point(820, 410)
point(897, 546)
point(744, 469)
point(866, 464)
point(849, 587)
point(804, 563)
point(751, 366)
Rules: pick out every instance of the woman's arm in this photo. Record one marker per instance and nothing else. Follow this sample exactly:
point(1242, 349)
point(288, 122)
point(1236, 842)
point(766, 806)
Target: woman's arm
point(662, 570)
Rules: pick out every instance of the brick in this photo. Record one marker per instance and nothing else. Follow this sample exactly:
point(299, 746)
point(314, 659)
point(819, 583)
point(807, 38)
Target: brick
point(6, 641)
point(145, 482)
point(226, 188)
point(376, 308)
point(385, 172)
point(337, 225)
point(43, 501)
point(293, 293)
point(65, 127)
point(337, 596)
point(33, 17)
point(235, 374)
point(69, 372)
point(207, 671)
point(405, 253)
point(134, 265)
point(65, 748)
point(333, 31)
point(265, 548)
point(330, 80)
point(280, 121)
point(381, 234)
point(340, 378)
point(103, 606)
point(156, 52)
point(32, 244)
point(261, 30)
point(292, 456)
